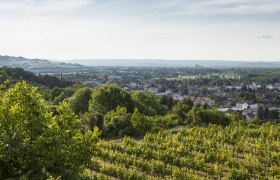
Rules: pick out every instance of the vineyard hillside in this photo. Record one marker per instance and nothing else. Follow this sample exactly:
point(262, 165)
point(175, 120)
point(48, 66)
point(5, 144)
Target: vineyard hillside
point(238, 151)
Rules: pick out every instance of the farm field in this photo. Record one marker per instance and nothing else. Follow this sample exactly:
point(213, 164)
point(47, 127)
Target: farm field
point(238, 151)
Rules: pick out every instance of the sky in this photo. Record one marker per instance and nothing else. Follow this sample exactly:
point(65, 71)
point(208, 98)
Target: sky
point(141, 29)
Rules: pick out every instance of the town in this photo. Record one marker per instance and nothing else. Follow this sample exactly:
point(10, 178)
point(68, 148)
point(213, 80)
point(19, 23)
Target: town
point(250, 92)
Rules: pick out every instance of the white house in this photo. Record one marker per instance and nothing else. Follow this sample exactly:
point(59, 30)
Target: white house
point(178, 97)
point(240, 106)
point(238, 87)
point(254, 106)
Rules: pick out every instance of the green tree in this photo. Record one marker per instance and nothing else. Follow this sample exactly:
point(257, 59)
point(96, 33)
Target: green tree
point(195, 115)
point(35, 143)
point(118, 123)
point(140, 123)
point(248, 96)
point(164, 122)
point(181, 109)
point(79, 102)
point(199, 115)
point(60, 98)
point(273, 114)
point(92, 120)
point(266, 113)
point(148, 103)
point(204, 91)
point(260, 113)
point(55, 93)
point(188, 102)
point(108, 98)
point(3, 77)
point(167, 101)
point(235, 117)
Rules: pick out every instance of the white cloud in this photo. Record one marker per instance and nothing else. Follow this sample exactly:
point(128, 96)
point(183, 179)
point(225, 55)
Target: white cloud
point(150, 9)
point(74, 29)
point(222, 7)
point(236, 7)
point(21, 9)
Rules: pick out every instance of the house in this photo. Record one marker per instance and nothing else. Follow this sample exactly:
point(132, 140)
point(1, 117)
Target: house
point(204, 101)
point(270, 95)
point(168, 92)
point(133, 86)
point(237, 87)
point(211, 87)
point(246, 111)
point(178, 97)
point(273, 86)
point(249, 113)
point(192, 98)
point(92, 84)
point(254, 106)
point(241, 106)
point(146, 86)
point(245, 105)
point(270, 86)
point(254, 86)
point(153, 89)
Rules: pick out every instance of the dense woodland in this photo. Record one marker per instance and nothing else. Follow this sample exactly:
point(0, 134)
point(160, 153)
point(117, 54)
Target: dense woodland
point(53, 128)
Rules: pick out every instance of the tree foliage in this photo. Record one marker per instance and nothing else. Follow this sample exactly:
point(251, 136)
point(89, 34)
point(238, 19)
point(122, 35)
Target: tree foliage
point(79, 102)
point(118, 123)
point(108, 98)
point(140, 122)
point(35, 143)
point(199, 115)
point(148, 103)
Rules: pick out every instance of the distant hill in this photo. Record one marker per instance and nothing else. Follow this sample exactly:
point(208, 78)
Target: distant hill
point(39, 65)
point(174, 63)
point(83, 65)
point(19, 74)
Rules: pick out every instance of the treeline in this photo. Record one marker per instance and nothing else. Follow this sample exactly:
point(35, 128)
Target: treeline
point(264, 114)
point(118, 112)
point(19, 74)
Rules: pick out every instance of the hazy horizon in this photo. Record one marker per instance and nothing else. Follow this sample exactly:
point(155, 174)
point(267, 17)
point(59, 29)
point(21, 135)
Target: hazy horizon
point(233, 30)
point(135, 59)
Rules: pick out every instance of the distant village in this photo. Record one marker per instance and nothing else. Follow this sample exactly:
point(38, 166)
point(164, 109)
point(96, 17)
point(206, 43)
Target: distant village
point(230, 95)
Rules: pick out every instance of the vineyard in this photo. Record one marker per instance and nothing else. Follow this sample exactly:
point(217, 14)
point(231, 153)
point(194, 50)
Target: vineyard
point(238, 151)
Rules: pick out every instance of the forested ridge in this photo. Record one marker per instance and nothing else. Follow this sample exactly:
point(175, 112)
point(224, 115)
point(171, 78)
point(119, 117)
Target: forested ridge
point(70, 131)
